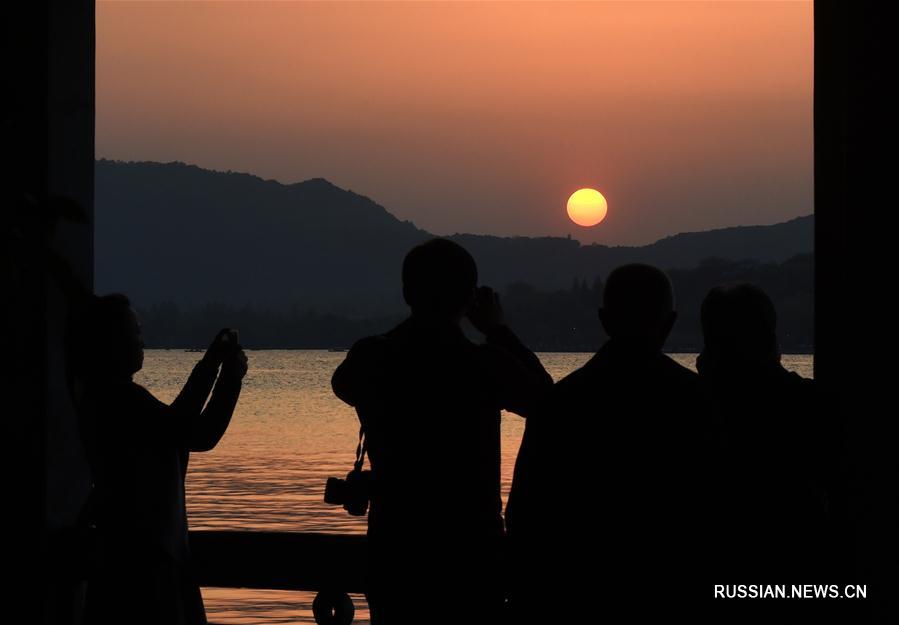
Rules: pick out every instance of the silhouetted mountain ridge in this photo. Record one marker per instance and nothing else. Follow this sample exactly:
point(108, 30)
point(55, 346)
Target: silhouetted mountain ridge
point(172, 232)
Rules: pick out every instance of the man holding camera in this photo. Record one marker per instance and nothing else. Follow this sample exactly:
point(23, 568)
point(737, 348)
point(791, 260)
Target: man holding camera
point(429, 401)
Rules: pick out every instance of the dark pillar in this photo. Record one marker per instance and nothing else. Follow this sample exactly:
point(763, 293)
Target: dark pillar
point(855, 311)
point(830, 189)
point(48, 125)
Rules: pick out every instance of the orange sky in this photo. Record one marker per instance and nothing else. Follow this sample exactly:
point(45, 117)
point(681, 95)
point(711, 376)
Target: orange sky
point(478, 117)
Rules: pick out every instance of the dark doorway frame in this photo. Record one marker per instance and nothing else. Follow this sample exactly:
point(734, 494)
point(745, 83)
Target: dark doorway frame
point(49, 119)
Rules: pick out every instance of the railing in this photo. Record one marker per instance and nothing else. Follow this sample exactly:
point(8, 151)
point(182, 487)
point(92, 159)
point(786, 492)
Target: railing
point(332, 565)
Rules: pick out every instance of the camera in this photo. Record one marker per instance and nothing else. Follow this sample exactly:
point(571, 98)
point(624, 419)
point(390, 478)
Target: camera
point(353, 493)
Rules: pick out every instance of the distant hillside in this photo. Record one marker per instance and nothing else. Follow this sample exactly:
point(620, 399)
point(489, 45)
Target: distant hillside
point(178, 233)
point(174, 232)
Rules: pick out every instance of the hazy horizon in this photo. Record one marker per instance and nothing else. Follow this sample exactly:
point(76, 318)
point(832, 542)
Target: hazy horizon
point(478, 117)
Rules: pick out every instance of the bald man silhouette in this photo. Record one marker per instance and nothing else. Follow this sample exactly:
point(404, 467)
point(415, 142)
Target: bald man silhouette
point(605, 501)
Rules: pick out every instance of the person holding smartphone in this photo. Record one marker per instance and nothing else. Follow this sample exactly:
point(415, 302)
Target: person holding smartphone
point(138, 449)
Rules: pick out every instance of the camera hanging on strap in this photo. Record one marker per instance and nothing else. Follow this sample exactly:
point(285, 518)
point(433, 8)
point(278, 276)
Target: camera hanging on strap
point(354, 492)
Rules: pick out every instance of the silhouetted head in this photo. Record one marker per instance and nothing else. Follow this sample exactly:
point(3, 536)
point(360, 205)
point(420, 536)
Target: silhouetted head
point(439, 280)
point(739, 329)
point(638, 306)
point(105, 339)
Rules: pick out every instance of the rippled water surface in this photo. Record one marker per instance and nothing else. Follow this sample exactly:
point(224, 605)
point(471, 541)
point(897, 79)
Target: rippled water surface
point(288, 435)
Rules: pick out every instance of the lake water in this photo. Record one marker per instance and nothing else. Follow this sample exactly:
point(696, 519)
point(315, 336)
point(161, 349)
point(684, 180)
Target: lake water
point(288, 435)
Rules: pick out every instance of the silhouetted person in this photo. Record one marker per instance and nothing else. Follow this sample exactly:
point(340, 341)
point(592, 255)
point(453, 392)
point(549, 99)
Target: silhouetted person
point(779, 464)
point(138, 449)
point(429, 400)
point(607, 515)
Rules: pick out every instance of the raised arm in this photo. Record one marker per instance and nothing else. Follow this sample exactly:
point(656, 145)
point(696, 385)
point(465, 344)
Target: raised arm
point(201, 428)
point(503, 338)
point(520, 379)
point(519, 376)
point(196, 390)
point(207, 429)
point(193, 395)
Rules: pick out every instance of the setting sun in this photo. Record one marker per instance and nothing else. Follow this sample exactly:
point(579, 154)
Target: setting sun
point(587, 207)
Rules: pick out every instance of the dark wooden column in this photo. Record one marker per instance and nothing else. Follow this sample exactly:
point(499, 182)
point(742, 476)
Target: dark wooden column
point(856, 282)
point(48, 129)
point(830, 114)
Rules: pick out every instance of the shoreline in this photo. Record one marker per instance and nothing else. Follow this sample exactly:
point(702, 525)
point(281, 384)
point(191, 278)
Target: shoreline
point(338, 350)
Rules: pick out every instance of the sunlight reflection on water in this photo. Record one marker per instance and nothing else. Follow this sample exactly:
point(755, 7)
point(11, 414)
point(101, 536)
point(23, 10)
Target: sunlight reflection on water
point(288, 435)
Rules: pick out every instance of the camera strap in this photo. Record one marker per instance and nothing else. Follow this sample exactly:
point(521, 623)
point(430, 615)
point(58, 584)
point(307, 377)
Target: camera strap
point(361, 449)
